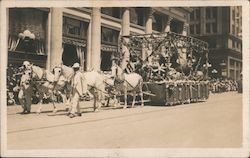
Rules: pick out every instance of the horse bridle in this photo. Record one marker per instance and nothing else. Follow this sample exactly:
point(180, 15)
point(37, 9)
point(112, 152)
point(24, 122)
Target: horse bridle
point(61, 70)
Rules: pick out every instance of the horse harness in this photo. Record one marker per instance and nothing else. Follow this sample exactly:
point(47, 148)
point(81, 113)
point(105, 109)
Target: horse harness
point(121, 80)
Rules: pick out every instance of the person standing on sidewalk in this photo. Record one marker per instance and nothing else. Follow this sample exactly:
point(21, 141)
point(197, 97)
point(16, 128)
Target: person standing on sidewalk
point(77, 91)
point(240, 84)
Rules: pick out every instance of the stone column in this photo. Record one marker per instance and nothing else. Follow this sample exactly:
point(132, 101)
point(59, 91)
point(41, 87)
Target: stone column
point(48, 41)
point(56, 37)
point(203, 21)
point(149, 21)
point(167, 27)
point(148, 30)
point(88, 54)
point(228, 66)
point(235, 70)
point(125, 32)
point(96, 38)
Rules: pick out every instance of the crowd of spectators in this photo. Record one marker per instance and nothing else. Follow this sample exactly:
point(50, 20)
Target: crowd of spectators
point(14, 74)
point(13, 81)
point(223, 85)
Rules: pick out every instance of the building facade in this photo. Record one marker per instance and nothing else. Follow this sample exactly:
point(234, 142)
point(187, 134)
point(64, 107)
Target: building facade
point(221, 27)
point(51, 36)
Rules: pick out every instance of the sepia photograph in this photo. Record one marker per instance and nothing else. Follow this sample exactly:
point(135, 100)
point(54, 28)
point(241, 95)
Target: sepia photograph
point(124, 78)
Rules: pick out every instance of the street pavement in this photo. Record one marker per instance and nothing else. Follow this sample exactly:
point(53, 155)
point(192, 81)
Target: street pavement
point(216, 123)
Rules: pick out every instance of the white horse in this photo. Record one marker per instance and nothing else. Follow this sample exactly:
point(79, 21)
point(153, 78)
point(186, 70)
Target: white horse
point(46, 84)
point(127, 83)
point(93, 80)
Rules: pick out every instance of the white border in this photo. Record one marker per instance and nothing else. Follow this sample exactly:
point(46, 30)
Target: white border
point(147, 152)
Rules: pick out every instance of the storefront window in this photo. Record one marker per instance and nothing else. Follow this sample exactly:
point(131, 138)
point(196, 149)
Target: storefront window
point(74, 41)
point(27, 30)
point(109, 40)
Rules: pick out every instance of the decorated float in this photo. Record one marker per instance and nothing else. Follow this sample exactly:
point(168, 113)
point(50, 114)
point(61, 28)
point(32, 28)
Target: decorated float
point(174, 67)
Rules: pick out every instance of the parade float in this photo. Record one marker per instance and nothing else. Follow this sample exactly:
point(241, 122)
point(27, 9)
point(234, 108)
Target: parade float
point(174, 67)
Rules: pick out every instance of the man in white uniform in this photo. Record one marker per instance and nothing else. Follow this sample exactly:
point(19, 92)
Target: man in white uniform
point(26, 90)
point(77, 91)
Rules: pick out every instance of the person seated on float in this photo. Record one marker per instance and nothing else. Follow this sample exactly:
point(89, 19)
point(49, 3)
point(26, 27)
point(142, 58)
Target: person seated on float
point(129, 67)
point(155, 67)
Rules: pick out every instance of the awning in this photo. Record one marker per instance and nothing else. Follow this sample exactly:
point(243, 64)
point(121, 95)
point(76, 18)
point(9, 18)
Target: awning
point(73, 41)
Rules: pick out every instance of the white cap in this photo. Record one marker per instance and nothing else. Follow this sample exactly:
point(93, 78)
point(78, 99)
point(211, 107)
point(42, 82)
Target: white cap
point(76, 65)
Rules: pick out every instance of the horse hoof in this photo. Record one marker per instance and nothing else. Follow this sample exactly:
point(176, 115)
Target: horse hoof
point(124, 107)
point(55, 111)
point(96, 110)
point(38, 112)
point(114, 105)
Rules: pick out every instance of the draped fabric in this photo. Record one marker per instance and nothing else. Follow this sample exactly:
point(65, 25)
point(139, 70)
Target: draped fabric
point(80, 55)
point(13, 43)
point(39, 46)
point(33, 46)
point(62, 48)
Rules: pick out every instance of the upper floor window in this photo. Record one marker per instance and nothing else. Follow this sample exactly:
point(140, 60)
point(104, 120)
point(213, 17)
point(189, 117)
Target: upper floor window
point(198, 14)
point(192, 29)
point(198, 29)
point(158, 22)
point(214, 12)
point(195, 29)
point(192, 15)
point(112, 11)
point(195, 14)
point(74, 28)
point(109, 36)
point(138, 16)
point(208, 28)
point(208, 13)
point(214, 27)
